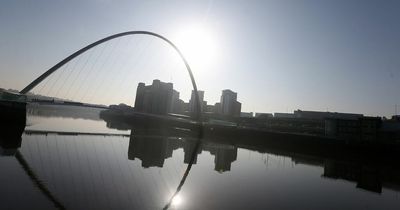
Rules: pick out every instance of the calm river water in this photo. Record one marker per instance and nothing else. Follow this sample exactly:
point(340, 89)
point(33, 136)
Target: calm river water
point(132, 170)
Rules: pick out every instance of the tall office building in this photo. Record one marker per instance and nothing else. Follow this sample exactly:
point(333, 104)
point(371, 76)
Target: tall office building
point(176, 103)
point(193, 104)
point(155, 99)
point(229, 104)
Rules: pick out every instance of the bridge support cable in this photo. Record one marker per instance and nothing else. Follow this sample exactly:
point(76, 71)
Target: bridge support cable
point(43, 85)
point(72, 185)
point(114, 82)
point(128, 195)
point(103, 57)
point(111, 71)
point(56, 80)
point(93, 66)
point(101, 75)
point(185, 175)
point(116, 72)
point(88, 72)
point(132, 87)
point(70, 72)
point(65, 72)
point(89, 56)
point(124, 68)
point(52, 172)
point(77, 53)
point(28, 170)
point(132, 172)
point(117, 196)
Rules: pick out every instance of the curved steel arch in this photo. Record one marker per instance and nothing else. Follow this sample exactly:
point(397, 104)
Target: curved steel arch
point(77, 53)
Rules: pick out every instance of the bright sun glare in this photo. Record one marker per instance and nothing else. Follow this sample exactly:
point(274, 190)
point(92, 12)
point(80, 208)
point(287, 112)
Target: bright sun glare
point(177, 200)
point(198, 46)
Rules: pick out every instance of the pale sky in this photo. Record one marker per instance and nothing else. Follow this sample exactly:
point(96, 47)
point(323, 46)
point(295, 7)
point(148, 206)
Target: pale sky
point(339, 55)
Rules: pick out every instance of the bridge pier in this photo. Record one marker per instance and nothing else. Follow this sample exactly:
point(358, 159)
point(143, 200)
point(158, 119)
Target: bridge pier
point(12, 124)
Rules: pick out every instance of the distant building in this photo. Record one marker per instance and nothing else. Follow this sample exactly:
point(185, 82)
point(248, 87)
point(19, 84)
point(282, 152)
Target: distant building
point(186, 107)
point(193, 103)
point(284, 115)
point(237, 109)
point(217, 108)
point(361, 129)
point(323, 115)
point(390, 129)
point(177, 105)
point(121, 107)
point(246, 114)
point(175, 98)
point(229, 104)
point(155, 98)
point(210, 108)
point(396, 118)
point(263, 115)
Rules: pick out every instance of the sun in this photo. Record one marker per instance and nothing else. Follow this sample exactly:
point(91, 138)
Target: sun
point(198, 46)
point(176, 200)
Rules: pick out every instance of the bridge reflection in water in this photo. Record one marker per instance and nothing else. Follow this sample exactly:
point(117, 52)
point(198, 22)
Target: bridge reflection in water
point(142, 168)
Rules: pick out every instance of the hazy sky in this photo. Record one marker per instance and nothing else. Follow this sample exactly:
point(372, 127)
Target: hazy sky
point(338, 55)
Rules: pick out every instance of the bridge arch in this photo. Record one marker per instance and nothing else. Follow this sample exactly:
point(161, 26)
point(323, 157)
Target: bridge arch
point(35, 82)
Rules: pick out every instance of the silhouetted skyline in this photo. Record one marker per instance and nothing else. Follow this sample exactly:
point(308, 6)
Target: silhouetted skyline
point(279, 55)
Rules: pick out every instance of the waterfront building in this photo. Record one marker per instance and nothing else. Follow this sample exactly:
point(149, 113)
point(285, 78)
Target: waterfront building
point(177, 105)
point(263, 115)
point(284, 115)
point(246, 114)
point(396, 118)
point(361, 129)
point(193, 103)
point(209, 108)
point(229, 104)
point(323, 115)
point(217, 108)
point(155, 98)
